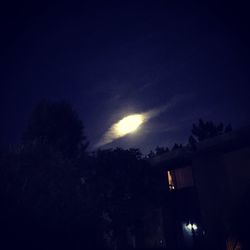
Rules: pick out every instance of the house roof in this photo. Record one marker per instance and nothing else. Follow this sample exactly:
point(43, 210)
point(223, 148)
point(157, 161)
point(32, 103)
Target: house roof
point(227, 142)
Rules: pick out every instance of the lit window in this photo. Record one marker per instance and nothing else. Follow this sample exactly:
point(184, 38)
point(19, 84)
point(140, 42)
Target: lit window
point(171, 180)
point(180, 178)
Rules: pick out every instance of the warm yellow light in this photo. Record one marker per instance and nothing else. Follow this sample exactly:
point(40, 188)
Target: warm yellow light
point(129, 124)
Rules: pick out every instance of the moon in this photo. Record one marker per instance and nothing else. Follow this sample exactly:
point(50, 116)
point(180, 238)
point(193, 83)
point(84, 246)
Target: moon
point(131, 123)
point(128, 124)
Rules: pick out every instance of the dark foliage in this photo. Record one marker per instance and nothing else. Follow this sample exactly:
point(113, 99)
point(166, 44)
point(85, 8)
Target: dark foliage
point(55, 194)
point(57, 125)
point(91, 202)
point(206, 130)
point(158, 151)
point(41, 196)
point(176, 146)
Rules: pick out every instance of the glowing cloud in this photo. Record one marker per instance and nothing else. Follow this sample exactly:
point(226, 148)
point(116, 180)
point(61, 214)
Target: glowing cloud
point(128, 124)
point(133, 122)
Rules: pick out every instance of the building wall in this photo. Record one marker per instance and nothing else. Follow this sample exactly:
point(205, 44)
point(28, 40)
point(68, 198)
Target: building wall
point(212, 186)
point(220, 180)
point(237, 164)
point(181, 209)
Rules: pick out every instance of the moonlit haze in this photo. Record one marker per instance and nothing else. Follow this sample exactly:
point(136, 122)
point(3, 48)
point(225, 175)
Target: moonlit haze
point(129, 124)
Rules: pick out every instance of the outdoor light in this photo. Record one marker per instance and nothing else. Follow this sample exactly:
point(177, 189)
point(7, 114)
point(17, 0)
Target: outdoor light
point(191, 226)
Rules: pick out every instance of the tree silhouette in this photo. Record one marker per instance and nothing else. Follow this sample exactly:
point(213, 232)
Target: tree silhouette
point(122, 184)
point(57, 125)
point(206, 130)
point(176, 146)
point(158, 151)
point(161, 150)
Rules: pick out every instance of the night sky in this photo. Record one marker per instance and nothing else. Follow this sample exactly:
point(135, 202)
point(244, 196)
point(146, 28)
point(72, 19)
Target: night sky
point(113, 59)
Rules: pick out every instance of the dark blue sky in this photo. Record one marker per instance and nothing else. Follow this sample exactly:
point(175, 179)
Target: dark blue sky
point(111, 59)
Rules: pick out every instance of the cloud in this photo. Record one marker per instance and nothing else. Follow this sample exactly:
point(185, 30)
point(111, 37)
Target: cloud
point(112, 133)
point(145, 86)
point(175, 100)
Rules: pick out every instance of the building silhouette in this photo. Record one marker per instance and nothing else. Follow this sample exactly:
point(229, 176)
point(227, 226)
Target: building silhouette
point(202, 187)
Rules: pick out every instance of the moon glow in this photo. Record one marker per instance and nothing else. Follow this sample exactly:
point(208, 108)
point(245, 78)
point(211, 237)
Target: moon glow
point(131, 123)
point(128, 124)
